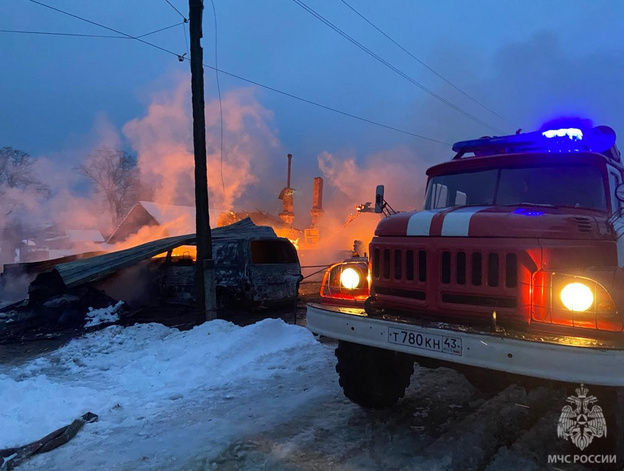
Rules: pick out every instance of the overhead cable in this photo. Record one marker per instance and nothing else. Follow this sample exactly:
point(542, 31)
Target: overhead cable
point(216, 54)
point(81, 35)
point(179, 12)
point(267, 87)
point(395, 69)
point(422, 63)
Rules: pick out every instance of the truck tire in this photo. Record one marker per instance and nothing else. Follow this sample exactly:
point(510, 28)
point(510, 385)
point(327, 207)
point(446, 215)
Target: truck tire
point(372, 377)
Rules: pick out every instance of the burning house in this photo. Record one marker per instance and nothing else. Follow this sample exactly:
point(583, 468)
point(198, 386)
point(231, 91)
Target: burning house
point(164, 220)
point(283, 224)
point(149, 221)
point(262, 218)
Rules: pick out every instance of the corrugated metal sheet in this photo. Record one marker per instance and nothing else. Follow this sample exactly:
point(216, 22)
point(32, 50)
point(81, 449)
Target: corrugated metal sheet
point(96, 268)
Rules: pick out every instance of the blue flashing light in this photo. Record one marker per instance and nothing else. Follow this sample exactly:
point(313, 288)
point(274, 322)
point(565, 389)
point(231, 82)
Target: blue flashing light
point(573, 134)
point(528, 212)
point(599, 139)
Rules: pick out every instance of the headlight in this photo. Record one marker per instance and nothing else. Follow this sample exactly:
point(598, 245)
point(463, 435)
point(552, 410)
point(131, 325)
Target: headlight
point(345, 282)
point(349, 278)
point(577, 297)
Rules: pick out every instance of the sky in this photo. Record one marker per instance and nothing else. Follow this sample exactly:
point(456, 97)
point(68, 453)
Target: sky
point(527, 62)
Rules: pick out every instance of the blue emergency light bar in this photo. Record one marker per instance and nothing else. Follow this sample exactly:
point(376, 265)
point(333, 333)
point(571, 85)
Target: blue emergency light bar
point(573, 133)
point(599, 139)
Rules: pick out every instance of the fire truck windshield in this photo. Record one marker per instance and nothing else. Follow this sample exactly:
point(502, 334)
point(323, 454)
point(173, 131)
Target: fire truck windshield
point(580, 186)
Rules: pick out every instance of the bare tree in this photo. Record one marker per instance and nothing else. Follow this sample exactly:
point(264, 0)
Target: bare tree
point(116, 177)
point(17, 179)
point(20, 191)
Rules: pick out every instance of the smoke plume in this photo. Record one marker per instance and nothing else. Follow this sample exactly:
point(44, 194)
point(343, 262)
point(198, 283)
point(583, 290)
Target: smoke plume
point(163, 141)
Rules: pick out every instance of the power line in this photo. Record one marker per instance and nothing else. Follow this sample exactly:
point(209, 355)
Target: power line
point(136, 38)
point(184, 22)
point(185, 39)
point(214, 13)
point(393, 68)
point(329, 108)
point(106, 36)
point(159, 30)
point(221, 71)
point(53, 33)
point(179, 12)
point(422, 63)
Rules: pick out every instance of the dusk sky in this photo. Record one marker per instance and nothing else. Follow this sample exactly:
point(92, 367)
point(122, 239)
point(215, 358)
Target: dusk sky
point(526, 61)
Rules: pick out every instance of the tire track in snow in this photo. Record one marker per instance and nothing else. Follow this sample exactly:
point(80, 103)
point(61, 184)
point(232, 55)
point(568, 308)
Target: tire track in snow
point(499, 422)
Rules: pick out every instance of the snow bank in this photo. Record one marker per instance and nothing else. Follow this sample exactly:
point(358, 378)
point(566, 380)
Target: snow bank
point(104, 315)
point(166, 391)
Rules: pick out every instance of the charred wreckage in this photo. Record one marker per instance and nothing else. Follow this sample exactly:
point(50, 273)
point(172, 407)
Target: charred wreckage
point(253, 269)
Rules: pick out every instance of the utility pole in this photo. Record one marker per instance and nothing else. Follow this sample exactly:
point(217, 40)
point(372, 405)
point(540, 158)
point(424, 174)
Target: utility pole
point(204, 265)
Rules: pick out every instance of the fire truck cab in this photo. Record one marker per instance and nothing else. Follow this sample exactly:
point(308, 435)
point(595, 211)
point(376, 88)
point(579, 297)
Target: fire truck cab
point(515, 265)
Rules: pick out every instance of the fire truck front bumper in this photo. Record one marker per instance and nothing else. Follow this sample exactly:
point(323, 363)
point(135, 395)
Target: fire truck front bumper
point(570, 359)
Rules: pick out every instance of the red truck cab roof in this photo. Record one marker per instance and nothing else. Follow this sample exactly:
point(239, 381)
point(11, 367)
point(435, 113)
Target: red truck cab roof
point(545, 184)
point(523, 159)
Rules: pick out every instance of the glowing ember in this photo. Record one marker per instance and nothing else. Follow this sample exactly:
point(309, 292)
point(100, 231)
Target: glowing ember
point(183, 252)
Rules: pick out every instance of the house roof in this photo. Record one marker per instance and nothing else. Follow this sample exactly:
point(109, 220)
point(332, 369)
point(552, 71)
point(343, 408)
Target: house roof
point(177, 219)
point(166, 213)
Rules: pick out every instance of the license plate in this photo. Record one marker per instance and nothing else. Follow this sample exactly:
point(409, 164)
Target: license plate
point(435, 343)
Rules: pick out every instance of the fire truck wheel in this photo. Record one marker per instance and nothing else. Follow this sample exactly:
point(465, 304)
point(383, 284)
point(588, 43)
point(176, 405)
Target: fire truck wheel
point(372, 377)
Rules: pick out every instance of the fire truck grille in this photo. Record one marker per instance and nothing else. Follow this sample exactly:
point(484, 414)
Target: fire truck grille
point(415, 262)
point(489, 268)
point(492, 269)
point(469, 277)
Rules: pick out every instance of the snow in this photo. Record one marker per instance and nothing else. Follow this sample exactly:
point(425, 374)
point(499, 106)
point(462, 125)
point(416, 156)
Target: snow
point(264, 396)
point(171, 394)
point(103, 315)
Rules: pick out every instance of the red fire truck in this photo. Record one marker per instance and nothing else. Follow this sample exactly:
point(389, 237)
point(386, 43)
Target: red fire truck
point(515, 265)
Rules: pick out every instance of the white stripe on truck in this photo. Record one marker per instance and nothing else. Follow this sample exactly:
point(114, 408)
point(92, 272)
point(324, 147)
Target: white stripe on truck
point(456, 223)
point(420, 223)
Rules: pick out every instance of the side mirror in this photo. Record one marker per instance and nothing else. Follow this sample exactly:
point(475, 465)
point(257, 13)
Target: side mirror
point(379, 198)
point(619, 193)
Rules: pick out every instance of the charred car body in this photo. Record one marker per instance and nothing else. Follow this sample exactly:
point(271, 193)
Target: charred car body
point(253, 268)
point(250, 272)
point(515, 265)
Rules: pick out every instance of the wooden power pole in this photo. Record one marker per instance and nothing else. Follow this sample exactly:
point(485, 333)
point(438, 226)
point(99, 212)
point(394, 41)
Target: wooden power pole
point(204, 265)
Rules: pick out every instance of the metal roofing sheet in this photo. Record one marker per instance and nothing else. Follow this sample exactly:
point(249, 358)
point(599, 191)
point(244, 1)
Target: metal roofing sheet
point(96, 268)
